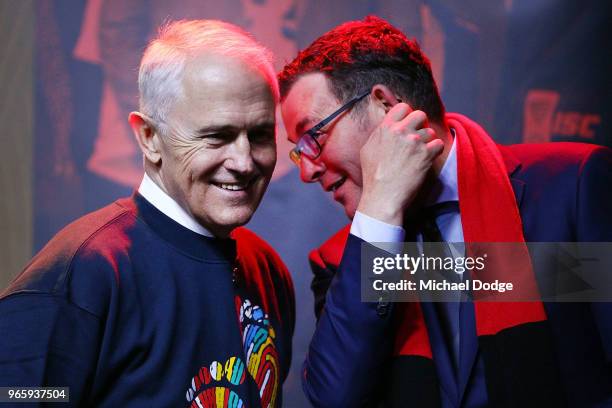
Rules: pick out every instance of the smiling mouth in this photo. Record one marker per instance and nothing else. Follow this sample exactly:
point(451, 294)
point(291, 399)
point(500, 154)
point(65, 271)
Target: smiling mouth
point(235, 186)
point(336, 185)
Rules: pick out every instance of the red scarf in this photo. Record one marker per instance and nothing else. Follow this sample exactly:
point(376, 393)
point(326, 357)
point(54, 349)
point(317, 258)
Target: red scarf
point(488, 214)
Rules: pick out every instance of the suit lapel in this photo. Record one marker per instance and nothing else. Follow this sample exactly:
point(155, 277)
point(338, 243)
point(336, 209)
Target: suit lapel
point(518, 186)
point(513, 164)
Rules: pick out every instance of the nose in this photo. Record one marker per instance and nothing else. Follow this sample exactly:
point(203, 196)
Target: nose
point(311, 170)
point(240, 155)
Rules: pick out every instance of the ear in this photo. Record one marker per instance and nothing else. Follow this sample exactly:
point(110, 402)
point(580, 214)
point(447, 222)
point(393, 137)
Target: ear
point(384, 97)
point(146, 136)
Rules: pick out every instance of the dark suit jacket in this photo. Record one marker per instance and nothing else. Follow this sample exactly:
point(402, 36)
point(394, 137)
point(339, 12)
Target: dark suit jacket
point(564, 194)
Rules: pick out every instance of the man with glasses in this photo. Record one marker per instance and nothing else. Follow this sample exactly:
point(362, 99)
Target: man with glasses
point(362, 107)
point(160, 299)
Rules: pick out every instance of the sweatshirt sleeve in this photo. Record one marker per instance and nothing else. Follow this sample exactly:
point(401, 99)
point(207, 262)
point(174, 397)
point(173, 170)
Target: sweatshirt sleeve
point(47, 341)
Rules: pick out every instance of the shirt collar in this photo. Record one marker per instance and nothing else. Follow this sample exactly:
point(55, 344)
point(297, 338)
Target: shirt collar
point(164, 203)
point(446, 188)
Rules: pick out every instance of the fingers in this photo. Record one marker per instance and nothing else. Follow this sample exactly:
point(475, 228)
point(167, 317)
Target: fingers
point(426, 134)
point(415, 120)
point(402, 112)
point(404, 122)
point(435, 148)
point(401, 119)
point(399, 112)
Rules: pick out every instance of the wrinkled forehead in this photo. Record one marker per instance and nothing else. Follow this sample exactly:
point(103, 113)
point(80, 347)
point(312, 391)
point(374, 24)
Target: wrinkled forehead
point(308, 101)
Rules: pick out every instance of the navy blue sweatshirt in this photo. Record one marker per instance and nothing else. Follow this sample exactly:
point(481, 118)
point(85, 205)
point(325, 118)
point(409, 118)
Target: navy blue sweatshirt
point(128, 308)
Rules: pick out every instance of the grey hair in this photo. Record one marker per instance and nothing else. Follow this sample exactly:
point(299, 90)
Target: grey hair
point(165, 58)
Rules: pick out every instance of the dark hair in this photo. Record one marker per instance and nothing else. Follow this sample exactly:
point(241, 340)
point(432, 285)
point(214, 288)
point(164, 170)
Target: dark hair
point(357, 55)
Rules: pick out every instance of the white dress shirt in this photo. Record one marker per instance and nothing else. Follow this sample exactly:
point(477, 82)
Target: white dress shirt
point(166, 204)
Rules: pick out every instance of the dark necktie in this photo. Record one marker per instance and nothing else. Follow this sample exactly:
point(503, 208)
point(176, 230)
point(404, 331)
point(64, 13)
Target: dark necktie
point(448, 312)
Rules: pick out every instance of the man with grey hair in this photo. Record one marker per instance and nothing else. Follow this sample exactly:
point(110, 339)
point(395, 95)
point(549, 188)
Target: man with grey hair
point(159, 299)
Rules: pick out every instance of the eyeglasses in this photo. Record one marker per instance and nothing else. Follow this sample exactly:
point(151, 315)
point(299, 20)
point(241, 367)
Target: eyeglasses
point(308, 145)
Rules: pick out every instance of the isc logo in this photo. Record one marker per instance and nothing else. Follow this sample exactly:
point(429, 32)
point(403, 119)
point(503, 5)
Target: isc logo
point(541, 120)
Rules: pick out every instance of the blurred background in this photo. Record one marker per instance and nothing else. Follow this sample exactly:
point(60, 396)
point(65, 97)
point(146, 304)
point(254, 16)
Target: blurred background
point(529, 71)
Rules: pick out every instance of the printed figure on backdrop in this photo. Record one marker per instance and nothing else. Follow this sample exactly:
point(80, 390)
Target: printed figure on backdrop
point(162, 298)
point(361, 106)
point(112, 35)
